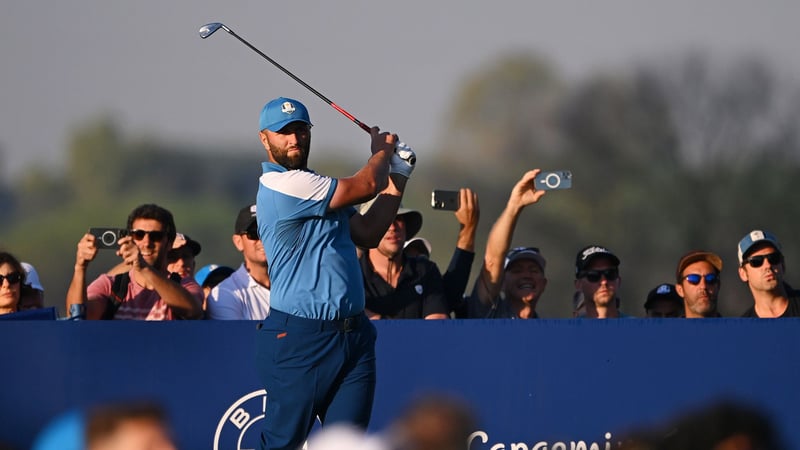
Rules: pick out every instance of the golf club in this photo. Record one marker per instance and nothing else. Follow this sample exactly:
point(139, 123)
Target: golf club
point(209, 29)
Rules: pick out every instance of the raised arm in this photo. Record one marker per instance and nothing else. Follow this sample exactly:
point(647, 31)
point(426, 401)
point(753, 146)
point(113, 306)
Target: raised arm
point(76, 293)
point(368, 229)
point(490, 278)
point(370, 179)
point(456, 277)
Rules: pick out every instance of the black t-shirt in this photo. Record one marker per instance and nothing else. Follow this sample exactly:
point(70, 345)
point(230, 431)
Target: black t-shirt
point(419, 292)
point(792, 310)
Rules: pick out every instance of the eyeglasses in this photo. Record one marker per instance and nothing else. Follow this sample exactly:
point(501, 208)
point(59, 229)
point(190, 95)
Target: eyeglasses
point(12, 278)
point(593, 276)
point(756, 261)
point(252, 234)
point(694, 278)
point(155, 235)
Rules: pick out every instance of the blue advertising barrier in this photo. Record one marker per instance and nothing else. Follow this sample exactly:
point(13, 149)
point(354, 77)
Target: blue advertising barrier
point(538, 384)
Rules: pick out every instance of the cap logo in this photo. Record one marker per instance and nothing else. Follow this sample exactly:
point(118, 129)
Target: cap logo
point(757, 235)
point(591, 251)
point(663, 289)
point(287, 108)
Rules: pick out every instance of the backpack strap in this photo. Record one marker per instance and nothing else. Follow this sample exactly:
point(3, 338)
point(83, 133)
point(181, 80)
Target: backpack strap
point(119, 290)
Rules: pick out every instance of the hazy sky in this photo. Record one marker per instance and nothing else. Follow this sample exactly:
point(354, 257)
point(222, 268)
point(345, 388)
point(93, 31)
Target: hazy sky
point(393, 64)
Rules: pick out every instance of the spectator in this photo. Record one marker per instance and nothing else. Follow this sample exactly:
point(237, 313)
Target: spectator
point(181, 257)
point(146, 291)
point(209, 276)
point(434, 422)
point(130, 426)
point(398, 287)
point(12, 277)
point(118, 426)
point(663, 302)
point(32, 292)
point(456, 276)
point(761, 266)
point(245, 294)
point(597, 278)
point(310, 232)
point(698, 283)
point(721, 425)
point(510, 282)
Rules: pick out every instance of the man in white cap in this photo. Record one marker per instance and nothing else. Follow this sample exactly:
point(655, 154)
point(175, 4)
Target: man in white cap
point(761, 266)
point(32, 293)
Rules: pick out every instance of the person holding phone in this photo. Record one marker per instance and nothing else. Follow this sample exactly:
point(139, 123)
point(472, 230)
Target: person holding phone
point(146, 291)
point(511, 281)
point(465, 207)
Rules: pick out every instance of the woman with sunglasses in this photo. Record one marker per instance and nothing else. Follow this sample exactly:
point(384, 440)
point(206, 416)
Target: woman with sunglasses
point(12, 276)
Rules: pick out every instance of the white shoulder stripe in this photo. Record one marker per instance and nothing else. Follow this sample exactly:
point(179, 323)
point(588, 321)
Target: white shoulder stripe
point(297, 183)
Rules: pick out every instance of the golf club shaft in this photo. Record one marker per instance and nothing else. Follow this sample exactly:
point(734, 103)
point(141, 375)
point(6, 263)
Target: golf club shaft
point(363, 126)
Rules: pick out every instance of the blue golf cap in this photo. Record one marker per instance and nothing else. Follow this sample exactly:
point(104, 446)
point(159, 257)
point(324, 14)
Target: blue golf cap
point(280, 112)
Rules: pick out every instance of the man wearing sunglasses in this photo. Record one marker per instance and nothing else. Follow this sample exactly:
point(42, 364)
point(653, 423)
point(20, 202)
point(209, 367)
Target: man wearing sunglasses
point(761, 266)
point(698, 283)
point(147, 292)
point(244, 295)
point(597, 279)
point(511, 282)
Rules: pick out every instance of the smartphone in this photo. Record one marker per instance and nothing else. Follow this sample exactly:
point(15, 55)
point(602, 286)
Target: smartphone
point(107, 237)
point(555, 179)
point(445, 200)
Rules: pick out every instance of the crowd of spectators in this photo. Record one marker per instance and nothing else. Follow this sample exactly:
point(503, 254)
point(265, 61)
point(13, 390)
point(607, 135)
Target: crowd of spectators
point(156, 278)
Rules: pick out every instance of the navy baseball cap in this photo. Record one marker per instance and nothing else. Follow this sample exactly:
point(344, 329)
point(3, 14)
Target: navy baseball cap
point(756, 237)
point(280, 112)
point(518, 253)
point(664, 291)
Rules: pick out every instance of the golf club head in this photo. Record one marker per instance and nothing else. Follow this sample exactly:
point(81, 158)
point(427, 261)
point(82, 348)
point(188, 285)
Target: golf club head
point(209, 29)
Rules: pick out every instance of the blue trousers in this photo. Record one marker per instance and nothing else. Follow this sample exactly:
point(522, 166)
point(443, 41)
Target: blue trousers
point(313, 368)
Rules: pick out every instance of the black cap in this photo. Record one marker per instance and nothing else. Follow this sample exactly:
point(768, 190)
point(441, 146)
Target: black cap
point(588, 253)
point(664, 291)
point(246, 218)
point(182, 240)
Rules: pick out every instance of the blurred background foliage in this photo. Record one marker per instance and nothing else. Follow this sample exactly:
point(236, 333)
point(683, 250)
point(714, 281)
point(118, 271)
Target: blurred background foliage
point(668, 156)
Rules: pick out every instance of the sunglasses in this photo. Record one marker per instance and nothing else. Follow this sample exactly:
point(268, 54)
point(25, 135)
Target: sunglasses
point(251, 234)
point(593, 276)
point(12, 278)
point(757, 261)
point(156, 235)
point(694, 278)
